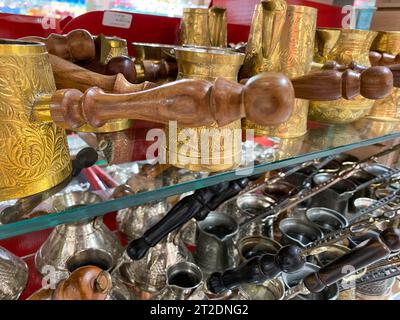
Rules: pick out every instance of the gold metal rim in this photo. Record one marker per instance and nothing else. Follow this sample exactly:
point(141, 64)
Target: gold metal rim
point(302, 9)
point(8, 46)
point(114, 42)
point(388, 32)
point(210, 56)
point(112, 126)
point(358, 31)
point(154, 45)
point(195, 10)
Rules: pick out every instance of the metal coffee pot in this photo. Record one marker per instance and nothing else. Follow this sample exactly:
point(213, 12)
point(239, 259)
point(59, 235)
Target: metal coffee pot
point(67, 240)
point(215, 250)
point(134, 221)
point(249, 205)
point(298, 232)
point(281, 39)
point(326, 219)
point(249, 247)
point(13, 275)
point(204, 27)
point(148, 276)
point(184, 281)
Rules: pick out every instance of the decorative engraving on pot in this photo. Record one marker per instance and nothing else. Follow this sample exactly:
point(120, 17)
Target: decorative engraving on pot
point(13, 275)
point(194, 29)
point(293, 56)
point(325, 40)
point(351, 46)
point(248, 205)
point(66, 240)
point(215, 250)
point(224, 151)
point(148, 275)
point(134, 221)
point(34, 155)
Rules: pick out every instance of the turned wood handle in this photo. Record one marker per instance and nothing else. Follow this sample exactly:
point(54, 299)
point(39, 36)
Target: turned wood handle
point(198, 205)
point(257, 269)
point(327, 85)
point(266, 99)
point(383, 59)
point(69, 75)
point(362, 256)
point(76, 45)
point(153, 70)
point(375, 82)
point(84, 283)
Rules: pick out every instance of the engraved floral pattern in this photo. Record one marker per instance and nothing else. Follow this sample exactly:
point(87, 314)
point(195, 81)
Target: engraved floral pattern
point(31, 151)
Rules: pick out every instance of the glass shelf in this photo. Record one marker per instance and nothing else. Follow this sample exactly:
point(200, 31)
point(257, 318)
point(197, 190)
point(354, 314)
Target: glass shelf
point(321, 140)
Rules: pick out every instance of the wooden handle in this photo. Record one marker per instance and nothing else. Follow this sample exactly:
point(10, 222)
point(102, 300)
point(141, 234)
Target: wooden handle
point(327, 85)
point(383, 59)
point(375, 82)
point(69, 75)
point(257, 269)
point(76, 45)
point(360, 257)
point(266, 99)
point(153, 70)
point(374, 58)
point(84, 283)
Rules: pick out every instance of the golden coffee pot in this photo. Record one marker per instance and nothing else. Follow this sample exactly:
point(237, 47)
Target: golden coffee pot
point(204, 27)
point(351, 46)
point(325, 40)
point(281, 39)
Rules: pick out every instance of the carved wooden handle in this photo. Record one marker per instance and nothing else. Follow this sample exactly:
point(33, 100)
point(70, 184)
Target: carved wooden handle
point(153, 70)
point(383, 59)
point(76, 45)
point(375, 82)
point(360, 257)
point(266, 99)
point(84, 283)
point(69, 75)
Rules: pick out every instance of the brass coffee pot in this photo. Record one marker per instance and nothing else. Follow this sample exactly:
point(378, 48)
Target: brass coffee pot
point(351, 46)
point(281, 39)
point(204, 27)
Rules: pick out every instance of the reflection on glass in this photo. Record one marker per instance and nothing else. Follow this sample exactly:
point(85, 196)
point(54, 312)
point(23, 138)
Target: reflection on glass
point(135, 180)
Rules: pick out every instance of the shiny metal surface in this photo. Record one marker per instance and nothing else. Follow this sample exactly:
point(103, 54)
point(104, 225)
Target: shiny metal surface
point(299, 232)
point(326, 219)
point(148, 275)
point(69, 239)
point(269, 290)
point(249, 247)
point(279, 190)
point(181, 283)
point(215, 250)
point(13, 275)
point(248, 205)
point(74, 200)
point(134, 221)
point(292, 279)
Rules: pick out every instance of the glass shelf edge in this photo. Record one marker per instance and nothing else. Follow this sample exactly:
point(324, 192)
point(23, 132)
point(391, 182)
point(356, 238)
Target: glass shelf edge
point(100, 209)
